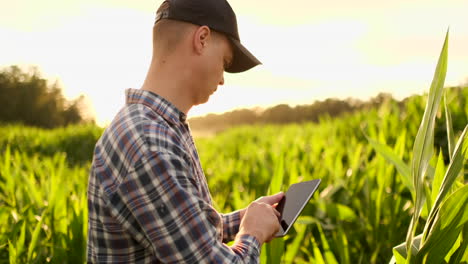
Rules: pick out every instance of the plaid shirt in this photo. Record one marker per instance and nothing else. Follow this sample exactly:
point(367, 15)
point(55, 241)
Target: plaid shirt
point(148, 199)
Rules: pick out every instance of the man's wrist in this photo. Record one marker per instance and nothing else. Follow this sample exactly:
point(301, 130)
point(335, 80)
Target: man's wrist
point(247, 245)
point(242, 238)
point(242, 213)
point(257, 235)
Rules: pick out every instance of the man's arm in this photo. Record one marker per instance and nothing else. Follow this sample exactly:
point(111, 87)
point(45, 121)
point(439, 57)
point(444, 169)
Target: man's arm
point(158, 202)
point(231, 223)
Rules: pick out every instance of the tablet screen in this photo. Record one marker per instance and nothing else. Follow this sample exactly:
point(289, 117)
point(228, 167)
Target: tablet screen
point(294, 201)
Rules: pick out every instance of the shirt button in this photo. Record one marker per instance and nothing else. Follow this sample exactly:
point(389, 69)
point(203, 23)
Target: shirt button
point(162, 210)
point(182, 117)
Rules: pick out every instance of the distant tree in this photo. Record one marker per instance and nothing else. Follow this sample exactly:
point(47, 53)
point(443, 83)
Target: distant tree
point(279, 114)
point(283, 113)
point(29, 99)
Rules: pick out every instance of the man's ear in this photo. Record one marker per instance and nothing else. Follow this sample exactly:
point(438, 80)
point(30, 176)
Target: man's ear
point(201, 38)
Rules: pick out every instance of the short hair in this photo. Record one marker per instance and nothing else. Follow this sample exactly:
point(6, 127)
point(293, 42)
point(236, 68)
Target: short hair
point(168, 33)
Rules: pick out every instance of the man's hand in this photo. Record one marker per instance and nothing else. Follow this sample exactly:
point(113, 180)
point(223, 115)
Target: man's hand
point(271, 200)
point(260, 219)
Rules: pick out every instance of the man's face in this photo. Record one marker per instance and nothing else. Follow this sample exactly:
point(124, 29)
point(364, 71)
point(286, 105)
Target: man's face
point(210, 73)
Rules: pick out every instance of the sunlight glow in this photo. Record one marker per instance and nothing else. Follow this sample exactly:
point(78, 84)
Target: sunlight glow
point(311, 50)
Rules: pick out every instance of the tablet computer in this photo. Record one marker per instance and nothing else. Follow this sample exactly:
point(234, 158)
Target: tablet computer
point(293, 202)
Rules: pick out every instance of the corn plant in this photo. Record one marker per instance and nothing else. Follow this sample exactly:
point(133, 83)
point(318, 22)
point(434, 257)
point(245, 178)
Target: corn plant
point(444, 238)
point(355, 217)
point(43, 212)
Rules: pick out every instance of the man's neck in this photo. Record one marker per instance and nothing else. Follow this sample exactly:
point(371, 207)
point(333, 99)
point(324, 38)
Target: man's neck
point(169, 82)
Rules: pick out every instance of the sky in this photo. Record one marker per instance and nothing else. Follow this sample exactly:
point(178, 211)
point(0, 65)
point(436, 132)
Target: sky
point(310, 50)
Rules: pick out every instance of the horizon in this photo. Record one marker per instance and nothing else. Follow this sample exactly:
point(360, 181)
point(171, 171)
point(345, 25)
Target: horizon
point(358, 49)
point(260, 109)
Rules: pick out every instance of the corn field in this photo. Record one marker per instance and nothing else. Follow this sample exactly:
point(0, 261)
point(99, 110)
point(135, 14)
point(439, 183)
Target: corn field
point(394, 183)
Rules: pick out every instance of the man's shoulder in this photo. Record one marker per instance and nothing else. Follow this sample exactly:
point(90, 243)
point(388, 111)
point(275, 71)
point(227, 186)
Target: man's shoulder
point(136, 131)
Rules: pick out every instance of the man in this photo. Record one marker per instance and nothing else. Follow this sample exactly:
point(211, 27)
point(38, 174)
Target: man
point(148, 199)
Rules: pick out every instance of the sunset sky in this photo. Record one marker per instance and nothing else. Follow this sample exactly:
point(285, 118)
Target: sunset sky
point(311, 50)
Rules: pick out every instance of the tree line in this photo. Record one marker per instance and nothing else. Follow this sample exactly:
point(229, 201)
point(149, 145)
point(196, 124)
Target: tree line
point(29, 99)
point(283, 113)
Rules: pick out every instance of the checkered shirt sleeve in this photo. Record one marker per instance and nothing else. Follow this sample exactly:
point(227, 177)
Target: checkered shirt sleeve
point(159, 201)
point(231, 223)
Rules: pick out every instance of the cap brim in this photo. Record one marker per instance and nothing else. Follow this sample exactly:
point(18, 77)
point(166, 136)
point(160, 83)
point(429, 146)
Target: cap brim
point(242, 58)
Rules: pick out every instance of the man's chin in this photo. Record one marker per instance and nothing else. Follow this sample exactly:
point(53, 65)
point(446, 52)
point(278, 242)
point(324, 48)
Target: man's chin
point(202, 100)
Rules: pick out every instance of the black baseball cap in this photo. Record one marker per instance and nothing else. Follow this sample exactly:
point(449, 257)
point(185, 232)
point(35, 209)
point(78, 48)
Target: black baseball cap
point(217, 15)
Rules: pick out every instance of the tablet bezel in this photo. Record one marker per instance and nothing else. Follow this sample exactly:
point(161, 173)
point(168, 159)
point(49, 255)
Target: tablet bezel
point(315, 183)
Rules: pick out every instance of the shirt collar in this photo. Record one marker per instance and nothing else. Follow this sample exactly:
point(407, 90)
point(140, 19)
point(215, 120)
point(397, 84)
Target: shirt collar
point(157, 103)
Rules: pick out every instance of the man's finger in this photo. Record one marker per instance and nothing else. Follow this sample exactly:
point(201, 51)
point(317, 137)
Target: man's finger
point(272, 199)
point(276, 212)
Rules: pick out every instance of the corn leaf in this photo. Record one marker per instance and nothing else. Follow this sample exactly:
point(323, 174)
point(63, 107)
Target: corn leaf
point(12, 253)
point(461, 254)
point(449, 222)
point(263, 255)
point(306, 220)
point(277, 180)
point(275, 248)
point(391, 157)
point(275, 251)
point(400, 254)
point(343, 247)
point(329, 257)
point(317, 254)
point(293, 248)
point(451, 175)
point(438, 177)
point(35, 238)
point(424, 142)
point(340, 212)
point(449, 126)
point(21, 240)
point(6, 165)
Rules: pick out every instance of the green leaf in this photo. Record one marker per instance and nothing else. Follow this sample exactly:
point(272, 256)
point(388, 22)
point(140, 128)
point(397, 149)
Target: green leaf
point(20, 241)
point(399, 252)
point(306, 220)
point(12, 253)
point(438, 177)
point(391, 157)
point(448, 122)
point(329, 257)
point(451, 175)
point(35, 238)
point(293, 247)
point(317, 254)
point(343, 247)
point(275, 251)
point(340, 212)
point(462, 251)
point(7, 164)
point(424, 143)
point(263, 255)
point(448, 224)
point(277, 180)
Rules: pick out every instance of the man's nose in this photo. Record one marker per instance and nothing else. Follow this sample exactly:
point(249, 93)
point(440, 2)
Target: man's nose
point(221, 82)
